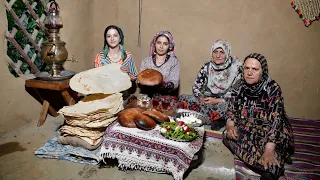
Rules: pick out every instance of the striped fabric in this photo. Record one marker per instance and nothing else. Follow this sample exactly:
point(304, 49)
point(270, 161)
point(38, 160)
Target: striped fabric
point(306, 160)
point(214, 134)
point(101, 60)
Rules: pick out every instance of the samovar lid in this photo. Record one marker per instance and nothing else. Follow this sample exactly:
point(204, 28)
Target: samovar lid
point(53, 19)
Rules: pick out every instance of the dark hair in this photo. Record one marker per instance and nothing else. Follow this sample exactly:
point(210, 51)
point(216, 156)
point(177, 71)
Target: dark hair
point(116, 28)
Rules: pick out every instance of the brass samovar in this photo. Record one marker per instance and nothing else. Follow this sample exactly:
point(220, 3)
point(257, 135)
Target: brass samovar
point(53, 51)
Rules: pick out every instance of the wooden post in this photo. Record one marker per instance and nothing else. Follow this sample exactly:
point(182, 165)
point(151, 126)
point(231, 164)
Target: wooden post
point(43, 113)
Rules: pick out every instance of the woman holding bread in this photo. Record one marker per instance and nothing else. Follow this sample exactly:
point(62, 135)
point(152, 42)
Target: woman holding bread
point(163, 60)
point(114, 52)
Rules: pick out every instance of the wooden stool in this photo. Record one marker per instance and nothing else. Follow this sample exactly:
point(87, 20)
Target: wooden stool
point(62, 86)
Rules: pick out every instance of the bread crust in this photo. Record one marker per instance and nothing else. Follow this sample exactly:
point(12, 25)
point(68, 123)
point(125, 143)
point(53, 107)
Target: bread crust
point(144, 122)
point(156, 115)
point(139, 118)
point(150, 77)
point(126, 117)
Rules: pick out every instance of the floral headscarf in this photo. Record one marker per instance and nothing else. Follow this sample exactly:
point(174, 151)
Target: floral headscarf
point(106, 47)
point(221, 43)
point(154, 40)
point(221, 77)
point(256, 90)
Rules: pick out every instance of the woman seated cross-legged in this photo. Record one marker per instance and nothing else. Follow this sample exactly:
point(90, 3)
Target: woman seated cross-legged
point(211, 89)
point(258, 130)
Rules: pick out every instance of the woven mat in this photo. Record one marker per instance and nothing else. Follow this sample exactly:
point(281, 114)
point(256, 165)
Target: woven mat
point(308, 10)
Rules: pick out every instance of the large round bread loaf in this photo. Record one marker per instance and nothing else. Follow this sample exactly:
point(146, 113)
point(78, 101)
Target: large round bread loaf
point(134, 118)
point(156, 115)
point(126, 117)
point(150, 77)
point(144, 122)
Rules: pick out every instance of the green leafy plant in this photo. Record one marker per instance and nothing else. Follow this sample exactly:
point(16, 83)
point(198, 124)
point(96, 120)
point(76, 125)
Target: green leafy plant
point(30, 24)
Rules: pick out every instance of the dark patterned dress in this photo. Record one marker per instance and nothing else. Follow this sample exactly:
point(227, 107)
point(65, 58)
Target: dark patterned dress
point(259, 121)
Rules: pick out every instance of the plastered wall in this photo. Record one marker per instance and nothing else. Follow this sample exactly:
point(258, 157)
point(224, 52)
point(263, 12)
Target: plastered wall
point(269, 27)
point(78, 32)
point(17, 107)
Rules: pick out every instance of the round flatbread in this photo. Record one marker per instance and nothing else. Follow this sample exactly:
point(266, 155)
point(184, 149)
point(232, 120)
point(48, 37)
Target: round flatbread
point(150, 77)
point(111, 104)
point(107, 79)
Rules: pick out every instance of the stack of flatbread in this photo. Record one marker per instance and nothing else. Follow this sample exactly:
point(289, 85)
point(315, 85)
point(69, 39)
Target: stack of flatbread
point(88, 119)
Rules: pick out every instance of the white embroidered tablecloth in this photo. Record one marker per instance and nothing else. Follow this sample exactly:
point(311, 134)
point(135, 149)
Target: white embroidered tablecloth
point(148, 150)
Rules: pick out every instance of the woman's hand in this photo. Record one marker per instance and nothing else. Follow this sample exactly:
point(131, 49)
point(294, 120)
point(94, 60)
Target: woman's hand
point(201, 100)
point(211, 100)
point(269, 156)
point(232, 132)
point(124, 69)
point(168, 86)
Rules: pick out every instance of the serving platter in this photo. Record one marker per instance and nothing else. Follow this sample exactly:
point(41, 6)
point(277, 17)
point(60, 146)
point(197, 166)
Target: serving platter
point(172, 129)
point(181, 140)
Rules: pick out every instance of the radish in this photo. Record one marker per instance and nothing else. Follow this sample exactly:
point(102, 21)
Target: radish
point(186, 129)
point(180, 123)
point(163, 130)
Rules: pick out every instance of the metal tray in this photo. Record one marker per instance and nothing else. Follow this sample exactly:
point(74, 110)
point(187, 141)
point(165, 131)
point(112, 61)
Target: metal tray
point(65, 74)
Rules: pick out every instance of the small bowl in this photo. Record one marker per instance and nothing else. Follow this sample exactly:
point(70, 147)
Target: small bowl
point(194, 114)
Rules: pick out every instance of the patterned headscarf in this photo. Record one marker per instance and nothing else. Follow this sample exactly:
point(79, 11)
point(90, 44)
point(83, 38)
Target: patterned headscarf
point(221, 43)
point(255, 90)
point(221, 77)
point(154, 40)
point(106, 46)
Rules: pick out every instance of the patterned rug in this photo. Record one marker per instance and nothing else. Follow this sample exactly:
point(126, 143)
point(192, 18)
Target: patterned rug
point(306, 160)
point(308, 10)
point(53, 150)
point(213, 134)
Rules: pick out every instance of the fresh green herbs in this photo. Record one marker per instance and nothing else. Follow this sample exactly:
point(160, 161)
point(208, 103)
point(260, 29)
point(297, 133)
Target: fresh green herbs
point(179, 130)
